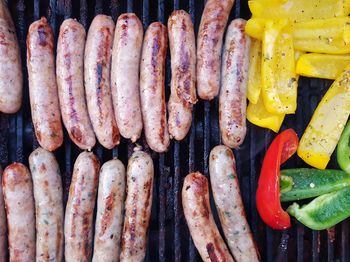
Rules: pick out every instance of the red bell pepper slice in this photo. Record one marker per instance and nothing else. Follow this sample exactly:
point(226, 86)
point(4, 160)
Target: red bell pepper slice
point(268, 191)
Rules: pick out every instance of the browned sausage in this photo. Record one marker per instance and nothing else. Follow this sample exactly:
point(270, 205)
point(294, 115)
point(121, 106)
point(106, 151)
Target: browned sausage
point(11, 81)
point(152, 77)
point(209, 44)
point(44, 104)
point(200, 221)
point(3, 225)
point(70, 82)
point(125, 75)
point(97, 78)
point(19, 204)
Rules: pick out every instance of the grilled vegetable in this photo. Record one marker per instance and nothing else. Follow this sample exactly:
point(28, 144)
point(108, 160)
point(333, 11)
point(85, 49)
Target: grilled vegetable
point(343, 150)
point(327, 123)
point(302, 183)
point(254, 72)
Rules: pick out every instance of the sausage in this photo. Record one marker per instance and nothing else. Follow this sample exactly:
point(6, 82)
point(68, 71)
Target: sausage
point(19, 205)
point(204, 232)
point(3, 226)
point(152, 89)
point(11, 80)
point(70, 82)
point(110, 211)
point(97, 78)
point(234, 80)
point(125, 75)
point(43, 95)
point(228, 201)
point(209, 44)
point(48, 196)
point(138, 204)
point(183, 71)
point(78, 224)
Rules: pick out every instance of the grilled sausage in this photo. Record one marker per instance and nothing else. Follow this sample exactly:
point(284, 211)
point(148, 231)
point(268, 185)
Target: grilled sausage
point(78, 224)
point(70, 82)
point(125, 75)
point(3, 226)
point(11, 81)
point(47, 186)
point(44, 104)
point(209, 44)
point(110, 211)
point(138, 206)
point(183, 71)
point(225, 187)
point(234, 79)
point(152, 77)
point(19, 204)
point(97, 76)
point(204, 232)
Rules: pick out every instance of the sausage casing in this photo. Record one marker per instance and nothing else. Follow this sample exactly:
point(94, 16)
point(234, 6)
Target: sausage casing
point(152, 89)
point(204, 232)
point(125, 80)
point(43, 95)
point(228, 201)
point(209, 44)
point(3, 225)
point(78, 224)
point(234, 80)
point(138, 204)
point(19, 204)
point(183, 73)
point(47, 186)
point(97, 79)
point(70, 82)
point(11, 81)
point(110, 211)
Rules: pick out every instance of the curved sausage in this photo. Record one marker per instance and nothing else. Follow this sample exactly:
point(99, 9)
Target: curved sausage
point(152, 77)
point(228, 201)
point(47, 186)
point(97, 78)
point(78, 224)
point(125, 75)
point(3, 226)
point(183, 73)
point(11, 81)
point(43, 95)
point(209, 44)
point(110, 211)
point(70, 82)
point(19, 204)
point(204, 232)
point(234, 80)
point(138, 204)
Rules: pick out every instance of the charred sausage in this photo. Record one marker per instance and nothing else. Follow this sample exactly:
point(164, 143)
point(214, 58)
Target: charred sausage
point(97, 79)
point(233, 92)
point(70, 82)
point(138, 204)
point(110, 211)
point(47, 186)
point(78, 224)
point(19, 204)
point(152, 77)
point(204, 232)
point(125, 75)
point(3, 225)
point(43, 95)
point(209, 44)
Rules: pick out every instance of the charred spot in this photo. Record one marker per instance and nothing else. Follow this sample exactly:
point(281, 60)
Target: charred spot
point(100, 82)
point(211, 252)
point(42, 35)
point(108, 214)
point(3, 39)
point(148, 187)
point(42, 168)
point(76, 132)
point(155, 50)
point(115, 133)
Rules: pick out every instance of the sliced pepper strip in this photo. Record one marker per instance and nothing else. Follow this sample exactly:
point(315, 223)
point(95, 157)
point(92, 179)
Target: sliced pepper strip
point(254, 72)
point(327, 123)
point(268, 191)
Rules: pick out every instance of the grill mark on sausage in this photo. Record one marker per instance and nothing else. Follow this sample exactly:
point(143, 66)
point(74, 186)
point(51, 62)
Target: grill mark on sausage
point(42, 35)
point(85, 233)
point(211, 252)
point(3, 39)
point(132, 225)
point(76, 205)
point(108, 213)
point(58, 238)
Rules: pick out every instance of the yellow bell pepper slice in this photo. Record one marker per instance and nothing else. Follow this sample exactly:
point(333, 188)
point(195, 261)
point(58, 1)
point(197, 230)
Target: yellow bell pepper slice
point(322, 65)
point(299, 10)
point(254, 72)
point(255, 27)
point(259, 116)
point(279, 81)
point(327, 123)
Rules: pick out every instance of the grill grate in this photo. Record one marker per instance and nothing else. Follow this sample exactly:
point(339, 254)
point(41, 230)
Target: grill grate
point(169, 237)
